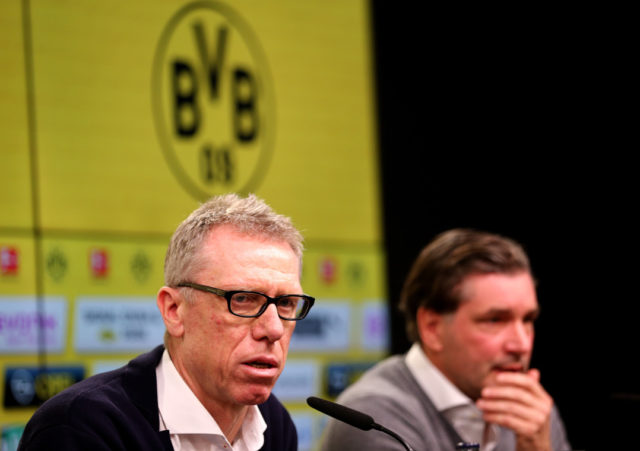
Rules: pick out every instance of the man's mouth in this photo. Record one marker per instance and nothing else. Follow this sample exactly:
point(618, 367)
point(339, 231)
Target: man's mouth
point(260, 364)
point(263, 363)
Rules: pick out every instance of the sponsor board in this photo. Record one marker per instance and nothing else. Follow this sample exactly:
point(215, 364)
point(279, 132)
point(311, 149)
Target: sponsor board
point(340, 375)
point(10, 436)
point(27, 326)
point(298, 381)
point(304, 427)
point(326, 328)
point(31, 386)
point(108, 324)
point(374, 329)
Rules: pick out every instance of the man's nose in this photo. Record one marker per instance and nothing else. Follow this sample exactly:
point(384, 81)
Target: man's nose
point(268, 325)
point(520, 337)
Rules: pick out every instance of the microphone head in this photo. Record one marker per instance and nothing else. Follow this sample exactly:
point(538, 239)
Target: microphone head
point(342, 413)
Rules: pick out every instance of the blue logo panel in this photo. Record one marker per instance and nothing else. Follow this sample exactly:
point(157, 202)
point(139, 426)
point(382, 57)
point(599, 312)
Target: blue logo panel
point(31, 386)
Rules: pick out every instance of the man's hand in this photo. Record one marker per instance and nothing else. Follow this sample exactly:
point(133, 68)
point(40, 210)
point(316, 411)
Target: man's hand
point(517, 401)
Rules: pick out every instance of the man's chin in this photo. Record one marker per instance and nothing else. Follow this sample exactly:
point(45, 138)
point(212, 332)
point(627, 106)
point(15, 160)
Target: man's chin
point(255, 395)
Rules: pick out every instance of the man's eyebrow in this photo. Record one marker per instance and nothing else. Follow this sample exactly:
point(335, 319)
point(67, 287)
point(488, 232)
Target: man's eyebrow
point(507, 311)
point(497, 311)
point(534, 313)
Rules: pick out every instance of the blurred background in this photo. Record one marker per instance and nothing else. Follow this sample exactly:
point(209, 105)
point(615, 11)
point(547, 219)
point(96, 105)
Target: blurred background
point(374, 125)
point(518, 120)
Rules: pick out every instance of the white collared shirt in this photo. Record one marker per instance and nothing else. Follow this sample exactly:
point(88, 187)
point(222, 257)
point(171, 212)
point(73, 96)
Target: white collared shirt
point(457, 407)
point(190, 425)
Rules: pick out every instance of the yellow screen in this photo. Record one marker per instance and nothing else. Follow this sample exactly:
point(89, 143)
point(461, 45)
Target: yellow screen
point(118, 118)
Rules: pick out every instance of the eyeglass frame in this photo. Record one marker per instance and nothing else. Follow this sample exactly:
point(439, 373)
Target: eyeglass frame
point(228, 294)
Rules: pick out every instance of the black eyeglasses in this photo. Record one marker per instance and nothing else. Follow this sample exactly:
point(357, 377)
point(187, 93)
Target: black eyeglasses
point(251, 304)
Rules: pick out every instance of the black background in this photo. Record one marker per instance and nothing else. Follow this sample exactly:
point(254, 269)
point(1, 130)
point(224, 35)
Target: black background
point(519, 122)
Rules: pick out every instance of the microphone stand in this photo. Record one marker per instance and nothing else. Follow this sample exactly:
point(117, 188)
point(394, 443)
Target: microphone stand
point(352, 417)
point(392, 434)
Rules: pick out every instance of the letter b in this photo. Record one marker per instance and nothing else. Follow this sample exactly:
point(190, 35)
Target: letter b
point(186, 114)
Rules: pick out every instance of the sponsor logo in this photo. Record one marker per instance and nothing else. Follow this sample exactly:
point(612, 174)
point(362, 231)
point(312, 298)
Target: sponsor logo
point(304, 427)
point(356, 274)
point(298, 381)
point(99, 262)
point(56, 264)
point(326, 328)
point(341, 375)
point(117, 324)
point(140, 267)
point(10, 436)
point(29, 386)
point(375, 326)
point(9, 263)
point(328, 269)
point(27, 325)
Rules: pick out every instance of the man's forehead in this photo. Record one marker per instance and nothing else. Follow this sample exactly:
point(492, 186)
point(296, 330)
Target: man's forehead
point(499, 291)
point(232, 256)
point(226, 234)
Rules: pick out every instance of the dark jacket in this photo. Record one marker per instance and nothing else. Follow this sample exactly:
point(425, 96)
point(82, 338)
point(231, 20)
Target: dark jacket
point(118, 410)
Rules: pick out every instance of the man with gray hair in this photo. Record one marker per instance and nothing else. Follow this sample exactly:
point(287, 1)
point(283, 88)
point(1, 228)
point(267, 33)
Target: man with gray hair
point(470, 305)
point(231, 300)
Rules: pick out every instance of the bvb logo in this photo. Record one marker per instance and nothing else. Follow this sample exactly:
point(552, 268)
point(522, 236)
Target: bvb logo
point(212, 101)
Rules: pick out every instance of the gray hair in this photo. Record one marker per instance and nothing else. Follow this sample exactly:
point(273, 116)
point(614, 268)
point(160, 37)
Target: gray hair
point(249, 215)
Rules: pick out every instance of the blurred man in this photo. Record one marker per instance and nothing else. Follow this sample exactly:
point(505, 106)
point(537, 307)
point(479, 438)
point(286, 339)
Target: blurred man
point(230, 304)
point(470, 305)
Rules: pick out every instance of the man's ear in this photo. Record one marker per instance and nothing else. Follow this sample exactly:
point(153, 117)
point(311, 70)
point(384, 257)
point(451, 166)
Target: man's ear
point(430, 328)
point(171, 305)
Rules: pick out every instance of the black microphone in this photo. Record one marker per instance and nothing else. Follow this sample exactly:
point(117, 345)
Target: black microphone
point(352, 417)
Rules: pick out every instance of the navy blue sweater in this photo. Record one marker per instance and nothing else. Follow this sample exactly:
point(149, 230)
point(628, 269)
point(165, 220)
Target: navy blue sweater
point(118, 410)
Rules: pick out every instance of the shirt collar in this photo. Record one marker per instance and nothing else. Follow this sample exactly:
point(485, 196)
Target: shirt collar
point(440, 390)
point(183, 413)
point(457, 407)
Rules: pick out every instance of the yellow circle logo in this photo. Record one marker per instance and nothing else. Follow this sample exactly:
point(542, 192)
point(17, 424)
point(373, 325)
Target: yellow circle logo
point(212, 101)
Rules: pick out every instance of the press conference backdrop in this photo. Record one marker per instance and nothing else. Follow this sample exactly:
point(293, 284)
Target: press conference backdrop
point(118, 118)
